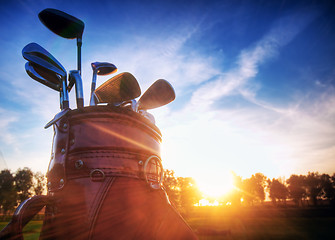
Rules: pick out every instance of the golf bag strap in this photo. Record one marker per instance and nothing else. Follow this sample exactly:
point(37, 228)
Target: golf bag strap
point(22, 215)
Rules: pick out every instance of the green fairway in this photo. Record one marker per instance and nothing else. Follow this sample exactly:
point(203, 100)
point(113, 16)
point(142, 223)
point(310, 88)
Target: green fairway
point(267, 224)
point(31, 231)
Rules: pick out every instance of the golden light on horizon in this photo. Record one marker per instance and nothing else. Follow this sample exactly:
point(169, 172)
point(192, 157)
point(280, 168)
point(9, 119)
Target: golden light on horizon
point(214, 186)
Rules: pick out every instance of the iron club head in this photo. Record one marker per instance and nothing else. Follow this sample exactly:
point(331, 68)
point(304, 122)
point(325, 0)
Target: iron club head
point(120, 88)
point(158, 94)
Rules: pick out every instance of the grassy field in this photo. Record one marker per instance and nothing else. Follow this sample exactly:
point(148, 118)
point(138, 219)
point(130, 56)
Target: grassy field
point(219, 223)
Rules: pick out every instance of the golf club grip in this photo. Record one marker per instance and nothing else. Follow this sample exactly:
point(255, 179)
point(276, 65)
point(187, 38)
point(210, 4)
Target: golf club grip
point(80, 103)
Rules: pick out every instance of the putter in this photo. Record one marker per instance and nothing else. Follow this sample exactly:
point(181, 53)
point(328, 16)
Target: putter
point(100, 68)
point(158, 94)
point(120, 88)
point(74, 77)
point(64, 25)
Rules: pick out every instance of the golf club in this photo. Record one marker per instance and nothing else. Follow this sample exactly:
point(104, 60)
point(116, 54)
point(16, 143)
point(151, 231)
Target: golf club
point(48, 79)
point(31, 71)
point(34, 50)
point(158, 94)
point(42, 59)
point(65, 26)
point(74, 77)
point(120, 88)
point(48, 68)
point(100, 68)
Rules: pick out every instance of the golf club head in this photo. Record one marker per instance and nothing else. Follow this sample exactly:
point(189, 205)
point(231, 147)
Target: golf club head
point(34, 49)
point(35, 73)
point(61, 23)
point(100, 68)
point(42, 61)
point(49, 79)
point(103, 68)
point(158, 94)
point(75, 77)
point(120, 88)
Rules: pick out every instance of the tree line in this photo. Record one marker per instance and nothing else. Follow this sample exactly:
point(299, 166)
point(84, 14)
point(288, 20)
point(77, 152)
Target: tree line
point(302, 190)
point(16, 187)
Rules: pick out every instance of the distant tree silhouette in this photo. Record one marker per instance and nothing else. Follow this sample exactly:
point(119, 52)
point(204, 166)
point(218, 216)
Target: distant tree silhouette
point(24, 183)
point(328, 190)
point(39, 183)
point(296, 188)
point(170, 184)
point(313, 185)
point(277, 191)
point(8, 194)
point(253, 188)
point(189, 193)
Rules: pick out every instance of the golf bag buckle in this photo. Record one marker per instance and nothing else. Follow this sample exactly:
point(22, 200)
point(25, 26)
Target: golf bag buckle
point(153, 172)
point(97, 175)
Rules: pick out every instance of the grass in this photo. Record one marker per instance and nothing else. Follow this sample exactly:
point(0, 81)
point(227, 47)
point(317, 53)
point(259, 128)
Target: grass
point(31, 231)
point(215, 223)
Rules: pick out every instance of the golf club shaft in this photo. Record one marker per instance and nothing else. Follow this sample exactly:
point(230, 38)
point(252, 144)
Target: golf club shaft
point(94, 80)
point(79, 44)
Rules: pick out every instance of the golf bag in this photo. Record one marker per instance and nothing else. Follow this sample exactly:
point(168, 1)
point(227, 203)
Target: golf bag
point(104, 181)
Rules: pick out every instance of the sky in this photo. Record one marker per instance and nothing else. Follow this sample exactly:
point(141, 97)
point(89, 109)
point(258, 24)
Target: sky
point(254, 81)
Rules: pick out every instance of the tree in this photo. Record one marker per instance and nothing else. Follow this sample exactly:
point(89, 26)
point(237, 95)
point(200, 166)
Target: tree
point(313, 186)
point(296, 188)
point(253, 188)
point(170, 184)
point(277, 191)
point(328, 190)
point(8, 194)
point(39, 183)
point(24, 183)
point(189, 193)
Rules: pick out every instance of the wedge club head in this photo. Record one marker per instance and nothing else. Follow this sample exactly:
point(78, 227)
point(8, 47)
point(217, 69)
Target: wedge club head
point(158, 94)
point(100, 68)
point(64, 25)
point(120, 88)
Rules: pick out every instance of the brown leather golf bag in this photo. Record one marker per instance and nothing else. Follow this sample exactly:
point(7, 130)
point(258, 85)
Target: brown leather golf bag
point(104, 181)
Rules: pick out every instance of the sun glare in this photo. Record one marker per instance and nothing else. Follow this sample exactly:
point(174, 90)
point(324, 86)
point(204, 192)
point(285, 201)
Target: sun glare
point(214, 186)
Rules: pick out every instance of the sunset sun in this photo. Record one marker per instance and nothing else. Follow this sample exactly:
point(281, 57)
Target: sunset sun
point(214, 186)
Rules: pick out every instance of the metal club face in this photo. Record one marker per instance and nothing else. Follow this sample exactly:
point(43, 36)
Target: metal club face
point(35, 73)
point(120, 88)
point(158, 94)
point(61, 23)
point(103, 68)
point(49, 79)
point(33, 51)
point(100, 68)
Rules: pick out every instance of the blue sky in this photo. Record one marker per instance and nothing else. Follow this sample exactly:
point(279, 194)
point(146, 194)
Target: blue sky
point(254, 80)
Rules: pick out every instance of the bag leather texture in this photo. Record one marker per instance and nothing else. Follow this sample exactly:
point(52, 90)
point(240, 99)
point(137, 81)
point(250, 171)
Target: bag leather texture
point(104, 179)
